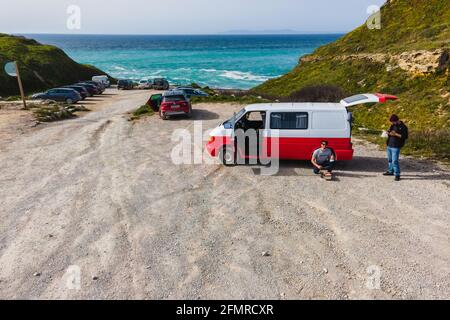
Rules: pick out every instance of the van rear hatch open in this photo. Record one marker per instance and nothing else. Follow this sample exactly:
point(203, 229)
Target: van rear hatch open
point(367, 98)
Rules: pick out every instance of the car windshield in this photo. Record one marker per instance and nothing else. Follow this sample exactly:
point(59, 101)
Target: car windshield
point(174, 98)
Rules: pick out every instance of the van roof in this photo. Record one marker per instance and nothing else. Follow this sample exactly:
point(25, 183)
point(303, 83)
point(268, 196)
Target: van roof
point(303, 106)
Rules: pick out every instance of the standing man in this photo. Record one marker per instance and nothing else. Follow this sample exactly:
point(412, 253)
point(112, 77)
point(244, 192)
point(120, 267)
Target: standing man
point(324, 159)
point(397, 135)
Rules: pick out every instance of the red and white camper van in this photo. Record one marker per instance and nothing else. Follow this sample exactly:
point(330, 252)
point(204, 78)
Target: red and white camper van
point(294, 129)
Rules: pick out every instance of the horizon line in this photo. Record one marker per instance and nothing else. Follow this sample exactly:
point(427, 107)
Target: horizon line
point(176, 34)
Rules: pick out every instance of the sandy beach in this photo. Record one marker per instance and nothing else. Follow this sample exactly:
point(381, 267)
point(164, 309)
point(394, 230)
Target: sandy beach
point(99, 194)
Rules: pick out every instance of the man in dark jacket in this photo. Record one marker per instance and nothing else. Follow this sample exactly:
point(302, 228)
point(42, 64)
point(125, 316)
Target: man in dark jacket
point(397, 136)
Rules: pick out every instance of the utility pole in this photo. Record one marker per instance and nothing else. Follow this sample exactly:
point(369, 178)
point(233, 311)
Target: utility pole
point(12, 70)
point(19, 80)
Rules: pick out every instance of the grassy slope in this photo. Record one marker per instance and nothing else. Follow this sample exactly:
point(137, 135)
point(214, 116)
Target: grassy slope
point(406, 25)
point(48, 62)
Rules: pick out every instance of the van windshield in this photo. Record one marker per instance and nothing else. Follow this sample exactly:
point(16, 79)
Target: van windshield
point(229, 123)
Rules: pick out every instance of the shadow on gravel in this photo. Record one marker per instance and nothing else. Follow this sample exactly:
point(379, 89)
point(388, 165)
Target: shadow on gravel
point(379, 165)
point(365, 167)
point(288, 168)
point(87, 102)
point(435, 177)
point(197, 114)
point(200, 114)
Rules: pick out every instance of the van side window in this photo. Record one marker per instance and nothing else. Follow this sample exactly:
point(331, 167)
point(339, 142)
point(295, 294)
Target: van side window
point(329, 120)
point(289, 120)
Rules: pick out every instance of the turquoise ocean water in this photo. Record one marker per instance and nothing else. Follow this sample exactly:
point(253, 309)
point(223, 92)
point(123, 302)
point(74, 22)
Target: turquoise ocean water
point(223, 61)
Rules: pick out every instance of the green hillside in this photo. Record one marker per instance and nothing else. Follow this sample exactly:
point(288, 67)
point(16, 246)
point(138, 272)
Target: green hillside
point(409, 57)
point(42, 66)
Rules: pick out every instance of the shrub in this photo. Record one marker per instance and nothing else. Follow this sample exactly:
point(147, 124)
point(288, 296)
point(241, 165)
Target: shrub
point(142, 110)
point(195, 85)
point(434, 144)
point(320, 93)
point(53, 113)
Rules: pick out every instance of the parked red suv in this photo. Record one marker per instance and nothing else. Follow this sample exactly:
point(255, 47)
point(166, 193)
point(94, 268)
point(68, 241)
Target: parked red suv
point(174, 103)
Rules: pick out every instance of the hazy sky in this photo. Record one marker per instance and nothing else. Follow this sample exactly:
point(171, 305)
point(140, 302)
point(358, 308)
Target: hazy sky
point(184, 16)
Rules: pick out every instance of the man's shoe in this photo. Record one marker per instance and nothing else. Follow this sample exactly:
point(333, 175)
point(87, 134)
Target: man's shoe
point(397, 178)
point(387, 173)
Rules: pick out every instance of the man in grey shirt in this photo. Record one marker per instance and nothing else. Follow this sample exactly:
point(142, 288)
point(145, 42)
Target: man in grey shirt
point(324, 159)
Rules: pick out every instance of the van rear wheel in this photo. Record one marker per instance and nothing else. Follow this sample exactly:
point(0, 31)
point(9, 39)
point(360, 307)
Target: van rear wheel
point(227, 157)
point(69, 101)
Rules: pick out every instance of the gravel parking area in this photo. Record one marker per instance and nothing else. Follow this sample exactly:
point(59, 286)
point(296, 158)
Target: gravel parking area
point(98, 199)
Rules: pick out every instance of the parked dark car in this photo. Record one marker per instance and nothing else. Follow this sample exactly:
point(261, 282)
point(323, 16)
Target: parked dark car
point(161, 84)
point(125, 84)
point(101, 88)
point(59, 94)
point(174, 103)
point(191, 92)
point(81, 90)
point(93, 90)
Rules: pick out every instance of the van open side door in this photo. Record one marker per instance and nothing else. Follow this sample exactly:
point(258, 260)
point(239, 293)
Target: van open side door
point(367, 98)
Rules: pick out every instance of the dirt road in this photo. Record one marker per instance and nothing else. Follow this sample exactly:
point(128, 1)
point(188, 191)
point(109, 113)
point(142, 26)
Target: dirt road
point(98, 197)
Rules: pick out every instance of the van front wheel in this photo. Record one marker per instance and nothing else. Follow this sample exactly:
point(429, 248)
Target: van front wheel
point(227, 157)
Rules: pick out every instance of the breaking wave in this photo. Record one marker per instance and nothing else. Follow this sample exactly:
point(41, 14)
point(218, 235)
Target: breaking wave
point(239, 75)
